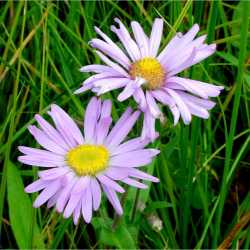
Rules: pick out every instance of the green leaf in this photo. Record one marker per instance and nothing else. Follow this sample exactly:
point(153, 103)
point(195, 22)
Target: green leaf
point(228, 57)
point(247, 80)
point(20, 211)
point(122, 237)
point(157, 205)
point(237, 25)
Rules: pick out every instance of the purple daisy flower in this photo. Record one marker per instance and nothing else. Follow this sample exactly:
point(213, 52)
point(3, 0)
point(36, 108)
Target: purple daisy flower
point(149, 75)
point(79, 168)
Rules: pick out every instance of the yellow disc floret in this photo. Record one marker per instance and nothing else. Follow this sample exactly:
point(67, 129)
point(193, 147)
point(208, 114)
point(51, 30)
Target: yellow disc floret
point(149, 69)
point(88, 159)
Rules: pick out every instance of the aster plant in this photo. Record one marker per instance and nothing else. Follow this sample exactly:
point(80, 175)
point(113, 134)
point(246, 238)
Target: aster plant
point(149, 75)
point(80, 167)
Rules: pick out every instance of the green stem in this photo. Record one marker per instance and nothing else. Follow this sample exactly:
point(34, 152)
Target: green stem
point(118, 218)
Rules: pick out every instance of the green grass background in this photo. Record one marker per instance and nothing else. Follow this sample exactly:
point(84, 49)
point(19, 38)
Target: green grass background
point(203, 197)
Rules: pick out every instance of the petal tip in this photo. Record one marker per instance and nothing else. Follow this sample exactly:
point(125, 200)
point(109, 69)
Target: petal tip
point(78, 91)
point(36, 205)
point(19, 158)
point(27, 190)
point(20, 148)
point(82, 69)
point(156, 180)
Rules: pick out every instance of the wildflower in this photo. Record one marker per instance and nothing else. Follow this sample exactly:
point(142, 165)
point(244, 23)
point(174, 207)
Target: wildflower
point(80, 167)
point(155, 222)
point(149, 75)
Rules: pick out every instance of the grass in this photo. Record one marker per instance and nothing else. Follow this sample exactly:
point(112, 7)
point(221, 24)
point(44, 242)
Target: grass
point(203, 198)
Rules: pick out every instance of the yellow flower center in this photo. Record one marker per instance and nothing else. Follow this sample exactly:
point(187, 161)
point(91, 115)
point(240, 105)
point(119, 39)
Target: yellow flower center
point(88, 159)
point(149, 69)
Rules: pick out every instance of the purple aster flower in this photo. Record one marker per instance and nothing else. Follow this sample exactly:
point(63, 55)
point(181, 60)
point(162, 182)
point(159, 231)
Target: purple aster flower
point(79, 168)
point(149, 75)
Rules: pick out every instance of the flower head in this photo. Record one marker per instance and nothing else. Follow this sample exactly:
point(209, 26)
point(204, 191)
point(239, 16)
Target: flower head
point(149, 76)
point(79, 168)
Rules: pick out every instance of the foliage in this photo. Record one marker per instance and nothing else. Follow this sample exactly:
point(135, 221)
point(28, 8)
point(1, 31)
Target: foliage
point(203, 168)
